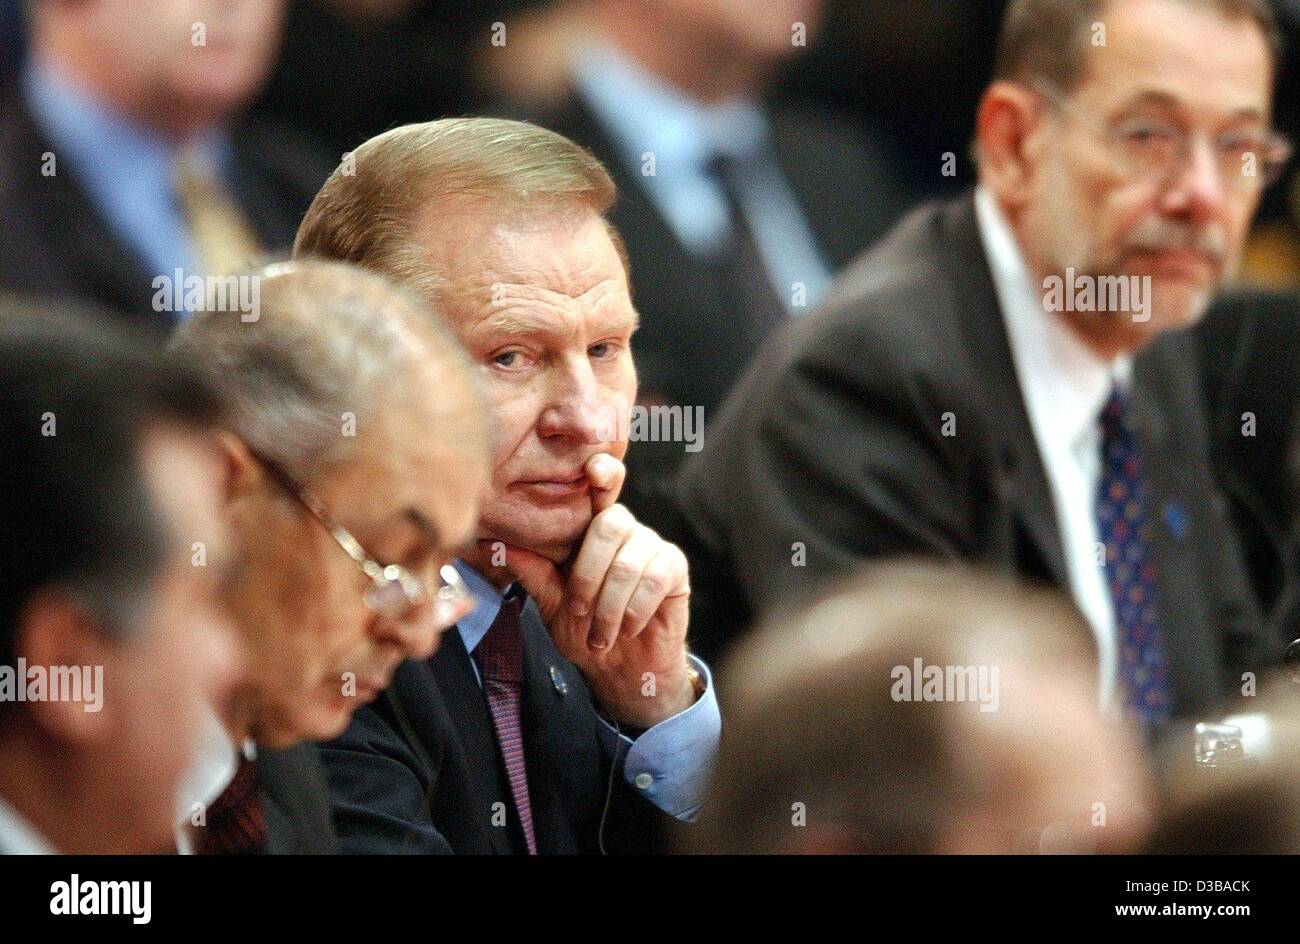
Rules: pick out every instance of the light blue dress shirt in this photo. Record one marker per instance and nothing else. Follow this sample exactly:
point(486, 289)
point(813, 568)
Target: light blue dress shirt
point(668, 764)
point(645, 116)
point(125, 170)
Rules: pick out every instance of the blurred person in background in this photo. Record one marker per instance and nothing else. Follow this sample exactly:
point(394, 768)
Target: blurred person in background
point(352, 464)
point(922, 709)
point(108, 484)
point(123, 158)
point(959, 397)
point(412, 60)
point(737, 207)
point(1249, 361)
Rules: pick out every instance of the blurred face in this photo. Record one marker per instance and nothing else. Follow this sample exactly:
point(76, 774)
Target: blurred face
point(1164, 65)
point(205, 56)
point(1067, 780)
point(762, 30)
point(544, 310)
point(318, 649)
point(184, 654)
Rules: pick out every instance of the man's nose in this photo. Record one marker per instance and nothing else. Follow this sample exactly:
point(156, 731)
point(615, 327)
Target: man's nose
point(415, 635)
point(578, 409)
point(1199, 189)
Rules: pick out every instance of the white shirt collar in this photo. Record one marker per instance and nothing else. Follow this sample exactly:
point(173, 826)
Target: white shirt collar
point(215, 763)
point(646, 114)
point(1062, 379)
point(19, 837)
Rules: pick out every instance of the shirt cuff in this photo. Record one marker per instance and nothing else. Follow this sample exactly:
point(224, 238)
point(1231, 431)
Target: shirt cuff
point(670, 764)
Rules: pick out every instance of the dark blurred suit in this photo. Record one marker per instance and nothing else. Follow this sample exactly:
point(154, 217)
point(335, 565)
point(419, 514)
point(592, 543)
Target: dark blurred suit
point(833, 441)
point(419, 770)
point(1250, 364)
point(58, 243)
point(295, 801)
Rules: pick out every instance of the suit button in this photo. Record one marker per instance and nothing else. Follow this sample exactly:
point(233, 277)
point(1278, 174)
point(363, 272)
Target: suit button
point(558, 681)
point(643, 781)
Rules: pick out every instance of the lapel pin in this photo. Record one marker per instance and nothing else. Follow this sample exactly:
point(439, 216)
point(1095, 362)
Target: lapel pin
point(558, 681)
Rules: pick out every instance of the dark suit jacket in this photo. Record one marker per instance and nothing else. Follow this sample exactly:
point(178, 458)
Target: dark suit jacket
point(834, 441)
point(419, 771)
point(295, 801)
point(57, 243)
point(1250, 361)
point(692, 345)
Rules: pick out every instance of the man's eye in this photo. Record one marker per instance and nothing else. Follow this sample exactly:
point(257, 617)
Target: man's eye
point(509, 359)
point(1146, 135)
point(603, 349)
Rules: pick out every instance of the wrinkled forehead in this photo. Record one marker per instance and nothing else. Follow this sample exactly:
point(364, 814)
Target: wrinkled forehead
point(482, 251)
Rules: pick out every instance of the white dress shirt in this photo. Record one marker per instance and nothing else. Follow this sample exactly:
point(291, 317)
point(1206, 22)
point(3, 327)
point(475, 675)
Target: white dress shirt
point(215, 763)
point(19, 837)
point(1065, 385)
point(645, 115)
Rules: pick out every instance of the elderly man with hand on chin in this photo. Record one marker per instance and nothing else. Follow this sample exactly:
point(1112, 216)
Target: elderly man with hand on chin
point(566, 714)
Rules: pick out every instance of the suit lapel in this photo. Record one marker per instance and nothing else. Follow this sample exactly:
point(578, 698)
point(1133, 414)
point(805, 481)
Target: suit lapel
point(1021, 475)
point(1177, 489)
point(91, 259)
point(562, 754)
point(468, 709)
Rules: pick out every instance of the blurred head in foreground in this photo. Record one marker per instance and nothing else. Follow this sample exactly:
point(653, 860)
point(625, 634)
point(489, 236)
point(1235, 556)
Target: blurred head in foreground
point(921, 709)
point(353, 459)
point(112, 637)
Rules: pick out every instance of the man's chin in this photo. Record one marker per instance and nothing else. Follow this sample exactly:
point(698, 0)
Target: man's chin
point(552, 533)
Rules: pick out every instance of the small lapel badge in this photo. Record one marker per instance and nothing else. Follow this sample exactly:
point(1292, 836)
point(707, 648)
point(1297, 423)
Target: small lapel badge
point(1175, 515)
point(557, 679)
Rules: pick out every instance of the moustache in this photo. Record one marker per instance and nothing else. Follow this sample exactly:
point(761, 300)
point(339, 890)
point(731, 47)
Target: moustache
point(1159, 235)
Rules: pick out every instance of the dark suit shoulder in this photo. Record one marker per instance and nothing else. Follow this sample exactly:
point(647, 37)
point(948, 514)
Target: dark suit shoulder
point(291, 785)
point(384, 769)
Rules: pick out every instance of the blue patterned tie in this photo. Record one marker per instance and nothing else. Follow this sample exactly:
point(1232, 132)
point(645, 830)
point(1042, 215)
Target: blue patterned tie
point(1125, 529)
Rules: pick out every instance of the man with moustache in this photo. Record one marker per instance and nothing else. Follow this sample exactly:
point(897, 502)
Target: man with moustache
point(565, 714)
point(950, 400)
point(352, 464)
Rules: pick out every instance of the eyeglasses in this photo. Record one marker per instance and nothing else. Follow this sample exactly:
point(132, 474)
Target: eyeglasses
point(394, 591)
point(1150, 149)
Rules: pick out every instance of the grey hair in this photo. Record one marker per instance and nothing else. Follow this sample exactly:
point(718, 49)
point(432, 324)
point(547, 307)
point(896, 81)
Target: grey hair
point(330, 342)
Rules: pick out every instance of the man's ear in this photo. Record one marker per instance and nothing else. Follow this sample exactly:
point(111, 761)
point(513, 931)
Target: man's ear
point(56, 631)
point(241, 474)
point(1009, 130)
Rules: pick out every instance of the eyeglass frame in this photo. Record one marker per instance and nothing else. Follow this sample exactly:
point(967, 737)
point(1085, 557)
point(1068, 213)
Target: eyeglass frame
point(451, 593)
point(1261, 182)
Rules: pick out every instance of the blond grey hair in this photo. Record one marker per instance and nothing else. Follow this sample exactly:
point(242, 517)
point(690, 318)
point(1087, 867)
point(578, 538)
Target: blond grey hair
point(367, 211)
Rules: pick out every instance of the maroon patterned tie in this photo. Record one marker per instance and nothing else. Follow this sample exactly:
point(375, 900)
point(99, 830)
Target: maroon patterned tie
point(236, 824)
point(500, 659)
